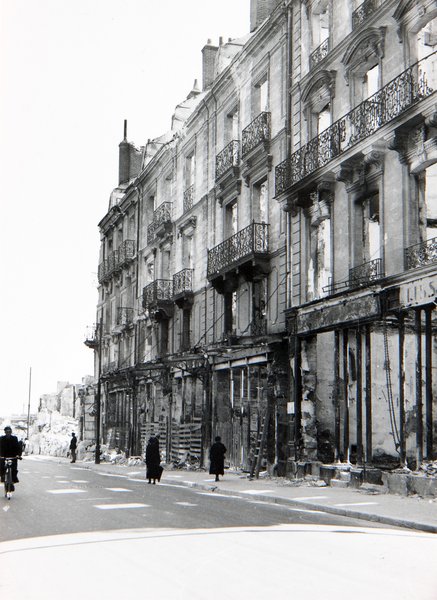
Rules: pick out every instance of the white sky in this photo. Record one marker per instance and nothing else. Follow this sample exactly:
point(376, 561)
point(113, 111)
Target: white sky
point(70, 72)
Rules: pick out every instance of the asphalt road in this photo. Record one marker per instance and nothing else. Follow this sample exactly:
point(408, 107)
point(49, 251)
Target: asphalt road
point(58, 497)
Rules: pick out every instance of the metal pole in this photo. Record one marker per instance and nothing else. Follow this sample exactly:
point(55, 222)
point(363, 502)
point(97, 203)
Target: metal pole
point(401, 376)
point(28, 403)
point(428, 383)
point(419, 399)
point(99, 389)
point(359, 398)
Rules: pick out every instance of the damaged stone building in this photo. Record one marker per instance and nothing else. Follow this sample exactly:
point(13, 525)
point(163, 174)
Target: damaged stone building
point(268, 266)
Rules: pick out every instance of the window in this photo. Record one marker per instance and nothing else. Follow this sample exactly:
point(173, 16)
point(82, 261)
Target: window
point(319, 270)
point(230, 312)
point(320, 24)
point(186, 327)
point(260, 99)
point(189, 171)
point(428, 203)
point(259, 307)
point(370, 228)
point(232, 126)
point(231, 219)
point(187, 251)
point(323, 119)
point(317, 103)
point(260, 202)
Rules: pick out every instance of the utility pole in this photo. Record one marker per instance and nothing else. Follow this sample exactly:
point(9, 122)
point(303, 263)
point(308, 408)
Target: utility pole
point(99, 388)
point(28, 403)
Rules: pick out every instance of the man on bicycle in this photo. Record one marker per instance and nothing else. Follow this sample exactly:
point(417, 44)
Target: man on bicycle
point(10, 447)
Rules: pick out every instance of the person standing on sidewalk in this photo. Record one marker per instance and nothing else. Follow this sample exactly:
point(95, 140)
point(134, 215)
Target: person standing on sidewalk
point(73, 446)
point(217, 458)
point(153, 460)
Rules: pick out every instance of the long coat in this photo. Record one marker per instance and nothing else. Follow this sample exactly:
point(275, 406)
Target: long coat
point(217, 459)
point(153, 460)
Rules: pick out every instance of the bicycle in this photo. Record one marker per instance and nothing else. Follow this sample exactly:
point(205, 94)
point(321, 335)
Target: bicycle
point(9, 484)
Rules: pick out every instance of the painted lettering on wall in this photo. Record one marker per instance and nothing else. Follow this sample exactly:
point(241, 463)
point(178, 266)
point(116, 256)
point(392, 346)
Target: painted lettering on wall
point(418, 292)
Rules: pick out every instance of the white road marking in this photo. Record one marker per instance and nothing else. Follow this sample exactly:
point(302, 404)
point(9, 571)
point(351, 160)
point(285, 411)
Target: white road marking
point(112, 475)
point(356, 504)
point(174, 476)
point(300, 510)
point(310, 498)
point(186, 504)
point(118, 490)
point(62, 481)
point(133, 479)
point(257, 491)
point(79, 481)
point(66, 491)
point(6, 508)
point(79, 469)
point(115, 506)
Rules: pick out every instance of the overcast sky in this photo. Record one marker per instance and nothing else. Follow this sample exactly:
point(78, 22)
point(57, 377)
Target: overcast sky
point(70, 72)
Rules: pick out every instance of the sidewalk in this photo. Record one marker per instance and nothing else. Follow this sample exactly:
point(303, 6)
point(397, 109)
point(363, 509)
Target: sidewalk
point(402, 511)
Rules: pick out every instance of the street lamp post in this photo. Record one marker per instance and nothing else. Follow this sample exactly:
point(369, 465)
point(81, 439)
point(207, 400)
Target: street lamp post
point(99, 388)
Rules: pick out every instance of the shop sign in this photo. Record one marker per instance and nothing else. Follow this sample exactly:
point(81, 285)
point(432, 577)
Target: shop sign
point(325, 317)
point(419, 292)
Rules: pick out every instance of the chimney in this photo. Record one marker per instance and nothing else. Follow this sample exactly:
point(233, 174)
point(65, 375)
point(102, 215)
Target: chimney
point(260, 10)
point(123, 158)
point(209, 53)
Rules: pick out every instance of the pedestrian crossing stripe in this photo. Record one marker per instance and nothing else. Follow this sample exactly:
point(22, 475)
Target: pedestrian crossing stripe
point(120, 506)
point(66, 491)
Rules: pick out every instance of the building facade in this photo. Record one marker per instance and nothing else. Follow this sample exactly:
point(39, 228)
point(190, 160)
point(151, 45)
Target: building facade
point(268, 266)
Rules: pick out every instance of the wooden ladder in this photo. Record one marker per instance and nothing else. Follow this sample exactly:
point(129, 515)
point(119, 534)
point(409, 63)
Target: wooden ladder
point(260, 445)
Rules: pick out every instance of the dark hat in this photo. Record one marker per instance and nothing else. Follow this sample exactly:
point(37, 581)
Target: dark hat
point(8, 428)
point(218, 438)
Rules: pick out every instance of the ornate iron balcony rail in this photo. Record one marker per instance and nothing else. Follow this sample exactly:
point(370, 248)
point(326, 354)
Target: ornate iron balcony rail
point(365, 273)
point(124, 315)
point(126, 252)
point(183, 282)
point(92, 336)
point(422, 254)
point(253, 239)
point(102, 270)
point(161, 216)
point(189, 198)
point(319, 53)
point(363, 12)
point(255, 133)
point(405, 90)
point(226, 159)
point(160, 289)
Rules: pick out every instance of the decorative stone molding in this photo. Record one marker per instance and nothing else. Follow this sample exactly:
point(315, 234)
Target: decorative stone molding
point(369, 43)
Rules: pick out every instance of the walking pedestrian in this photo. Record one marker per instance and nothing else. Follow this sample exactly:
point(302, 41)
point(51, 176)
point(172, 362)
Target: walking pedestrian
point(217, 458)
point(153, 460)
point(73, 446)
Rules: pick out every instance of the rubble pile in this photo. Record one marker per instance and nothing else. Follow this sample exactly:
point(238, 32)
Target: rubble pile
point(428, 468)
point(53, 437)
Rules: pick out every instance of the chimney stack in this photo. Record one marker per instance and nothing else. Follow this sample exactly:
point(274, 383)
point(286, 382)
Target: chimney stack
point(209, 53)
point(123, 158)
point(260, 10)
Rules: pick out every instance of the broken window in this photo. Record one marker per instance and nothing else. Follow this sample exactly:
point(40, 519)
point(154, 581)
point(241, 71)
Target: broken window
point(319, 269)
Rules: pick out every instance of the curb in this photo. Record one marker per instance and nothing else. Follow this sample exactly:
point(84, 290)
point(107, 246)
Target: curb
point(334, 510)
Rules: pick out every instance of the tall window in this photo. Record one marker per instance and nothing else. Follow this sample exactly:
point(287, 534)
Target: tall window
point(187, 251)
point(428, 203)
point(371, 229)
point(260, 202)
point(230, 312)
point(232, 126)
point(320, 23)
point(189, 171)
point(319, 268)
point(231, 219)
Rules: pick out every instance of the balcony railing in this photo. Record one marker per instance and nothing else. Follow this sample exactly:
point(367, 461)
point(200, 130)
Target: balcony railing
point(126, 252)
point(158, 290)
point(253, 239)
point(188, 198)
point(226, 159)
point(366, 273)
point(161, 216)
point(319, 53)
point(255, 133)
point(92, 336)
point(110, 367)
point(422, 254)
point(124, 315)
point(183, 282)
point(363, 12)
point(407, 89)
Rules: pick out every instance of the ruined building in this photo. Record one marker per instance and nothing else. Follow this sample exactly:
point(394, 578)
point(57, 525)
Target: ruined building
point(268, 266)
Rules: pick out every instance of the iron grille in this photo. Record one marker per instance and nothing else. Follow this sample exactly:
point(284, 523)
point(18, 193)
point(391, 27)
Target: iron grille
point(365, 273)
point(407, 89)
point(183, 282)
point(161, 216)
point(250, 240)
point(126, 252)
point(189, 198)
point(422, 254)
point(255, 133)
point(102, 271)
point(226, 159)
point(158, 290)
point(319, 53)
point(363, 12)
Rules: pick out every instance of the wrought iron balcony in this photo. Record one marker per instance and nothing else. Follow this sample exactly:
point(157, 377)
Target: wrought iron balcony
point(160, 290)
point(189, 198)
point(126, 252)
point(183, 282)
point(92, 336)
point(319, 53)
point(227, 159)
point(102, 271)
point(421, 255)
point(366, 273)
point(244, 245)
point(255, 133)
point(125, 315)
point(363, 12)
point(404, 91)
point(160, 222)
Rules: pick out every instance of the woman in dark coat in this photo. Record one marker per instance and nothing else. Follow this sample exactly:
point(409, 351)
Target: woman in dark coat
point(217, 458)
point(153, 460)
